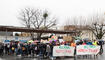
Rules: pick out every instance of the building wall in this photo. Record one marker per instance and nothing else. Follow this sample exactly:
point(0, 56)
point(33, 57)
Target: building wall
point(2, 33)
point(2, 38)
point(70, 28)
point(87, 34)
point(24, 34)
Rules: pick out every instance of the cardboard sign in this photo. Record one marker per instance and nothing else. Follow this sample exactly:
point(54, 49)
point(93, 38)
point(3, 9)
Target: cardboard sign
point(87, 50)
point(67, 38)
point(63, 51)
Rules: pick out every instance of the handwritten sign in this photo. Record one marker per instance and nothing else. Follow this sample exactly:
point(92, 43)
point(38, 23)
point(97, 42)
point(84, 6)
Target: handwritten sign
point(87, 50)
point(67, 38)
point(63, 51)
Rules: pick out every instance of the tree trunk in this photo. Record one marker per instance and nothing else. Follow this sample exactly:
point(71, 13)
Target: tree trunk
point(39, 36)
point(32, 35)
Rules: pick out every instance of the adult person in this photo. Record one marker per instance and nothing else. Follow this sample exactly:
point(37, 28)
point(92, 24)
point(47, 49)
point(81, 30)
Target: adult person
point(73, 44)
point(89, 42)
point(26, 48)
point(41, 53)
point(100, 43)
point(44, 49)
point(51, 46)
point(6, 49)
point(29, 48)
point(19, 49)
point(23, 49)
point(1, 49)
point(84, 43)
point(13, 48)
point(94, 42)
point(48, 50)
point(36, 49)
point(16, 47)
point(33, 49)
point(10, 48)
point(81, 42)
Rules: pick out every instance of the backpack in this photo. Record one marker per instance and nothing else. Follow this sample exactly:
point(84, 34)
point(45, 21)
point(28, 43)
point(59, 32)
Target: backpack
point(13, 48)
point(23, 48)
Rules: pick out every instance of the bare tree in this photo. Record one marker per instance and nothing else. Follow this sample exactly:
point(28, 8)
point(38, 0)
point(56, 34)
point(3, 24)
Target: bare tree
point(97, 26)
point(37, 19)
point(94, 24)
point(26, 15)
point(78, 23)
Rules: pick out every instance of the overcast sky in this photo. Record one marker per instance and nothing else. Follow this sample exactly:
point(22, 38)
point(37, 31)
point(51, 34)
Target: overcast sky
point(62, 9)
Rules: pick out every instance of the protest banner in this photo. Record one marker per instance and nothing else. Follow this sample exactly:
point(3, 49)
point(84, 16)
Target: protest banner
point(87, 50)
point(63, 51)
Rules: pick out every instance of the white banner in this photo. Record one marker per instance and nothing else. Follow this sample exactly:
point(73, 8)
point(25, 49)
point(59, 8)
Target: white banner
point(63, 51)
point(87, 50)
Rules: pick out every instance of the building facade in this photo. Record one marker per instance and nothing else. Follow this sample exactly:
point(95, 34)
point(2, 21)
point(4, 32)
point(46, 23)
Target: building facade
point(84, 31)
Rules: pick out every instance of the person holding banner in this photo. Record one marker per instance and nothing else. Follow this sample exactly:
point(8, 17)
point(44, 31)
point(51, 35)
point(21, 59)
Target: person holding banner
point(81, 42)
point(89, 42)
point(73, 44)
point(100, 43)
point(94, 43)
point(84, 43)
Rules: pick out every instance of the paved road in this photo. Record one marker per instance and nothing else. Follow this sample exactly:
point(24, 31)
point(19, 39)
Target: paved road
point(100, 57)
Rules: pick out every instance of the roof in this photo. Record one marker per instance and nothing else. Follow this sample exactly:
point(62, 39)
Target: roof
point(25, 29)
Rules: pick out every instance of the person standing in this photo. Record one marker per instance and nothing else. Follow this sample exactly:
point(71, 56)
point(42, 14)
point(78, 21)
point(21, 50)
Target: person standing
point(100, 43)
point(16, 47)
point(1, 49)
point(94, 43)
point(6, 49)
point(48, 50)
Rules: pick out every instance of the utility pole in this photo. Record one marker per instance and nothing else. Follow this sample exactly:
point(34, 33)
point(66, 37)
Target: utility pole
point(6, 34)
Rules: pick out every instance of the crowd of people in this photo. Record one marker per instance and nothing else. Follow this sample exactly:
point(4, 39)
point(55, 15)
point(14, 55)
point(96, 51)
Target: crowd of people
point(40, 49)
point(26, 49)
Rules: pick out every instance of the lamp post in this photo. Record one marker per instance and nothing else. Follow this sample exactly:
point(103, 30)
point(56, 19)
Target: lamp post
point(6, 34)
